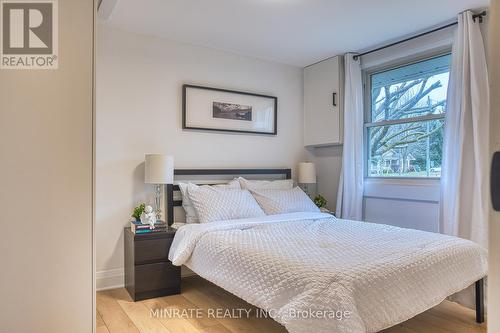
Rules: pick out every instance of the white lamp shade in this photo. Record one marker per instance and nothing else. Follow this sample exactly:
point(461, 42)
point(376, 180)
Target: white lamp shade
point(159, 169)
point(307, 173)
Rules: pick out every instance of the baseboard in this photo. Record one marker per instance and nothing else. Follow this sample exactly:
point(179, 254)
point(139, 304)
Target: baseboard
point(110, 279)
point(115, 278)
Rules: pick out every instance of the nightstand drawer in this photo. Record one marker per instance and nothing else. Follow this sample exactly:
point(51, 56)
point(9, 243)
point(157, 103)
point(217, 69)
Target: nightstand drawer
point(161, 275)
point(152, 250)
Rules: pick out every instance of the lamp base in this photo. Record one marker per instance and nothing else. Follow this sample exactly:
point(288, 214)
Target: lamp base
point(308, 189)
point(158, 201)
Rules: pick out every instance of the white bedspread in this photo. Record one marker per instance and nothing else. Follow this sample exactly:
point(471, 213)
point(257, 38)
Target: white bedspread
point(304, 265)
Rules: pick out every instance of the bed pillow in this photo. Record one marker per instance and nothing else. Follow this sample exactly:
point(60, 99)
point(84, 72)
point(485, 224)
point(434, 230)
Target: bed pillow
point(188, 206)
point(284, 201)
point(218, 204)
point(284, 184)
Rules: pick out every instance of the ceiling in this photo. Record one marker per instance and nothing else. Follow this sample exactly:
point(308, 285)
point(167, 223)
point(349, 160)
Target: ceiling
point(295, 32)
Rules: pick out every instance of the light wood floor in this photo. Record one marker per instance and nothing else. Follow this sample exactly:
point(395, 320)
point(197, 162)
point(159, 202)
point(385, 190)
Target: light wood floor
point(117, 313)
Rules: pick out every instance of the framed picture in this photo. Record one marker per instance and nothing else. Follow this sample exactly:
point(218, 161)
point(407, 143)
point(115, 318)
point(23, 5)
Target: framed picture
point(213, 109)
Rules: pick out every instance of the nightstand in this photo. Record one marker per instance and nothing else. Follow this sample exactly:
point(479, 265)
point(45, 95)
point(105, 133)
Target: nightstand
point(148, 272)
point(327, 211)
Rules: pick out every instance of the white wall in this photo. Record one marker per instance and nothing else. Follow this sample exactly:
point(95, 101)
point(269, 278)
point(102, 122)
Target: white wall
point(404, 203)
point(139, 81)
point(46, 186)
point(494, 225)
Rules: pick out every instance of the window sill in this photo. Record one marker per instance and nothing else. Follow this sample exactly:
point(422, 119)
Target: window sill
point(403, 181)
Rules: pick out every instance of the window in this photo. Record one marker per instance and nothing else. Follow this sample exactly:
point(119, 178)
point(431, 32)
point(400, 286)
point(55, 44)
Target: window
point(406, 108)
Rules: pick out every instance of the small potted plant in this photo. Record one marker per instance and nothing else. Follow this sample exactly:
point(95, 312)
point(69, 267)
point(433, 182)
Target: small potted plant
point(138, 211)
point(320, 201)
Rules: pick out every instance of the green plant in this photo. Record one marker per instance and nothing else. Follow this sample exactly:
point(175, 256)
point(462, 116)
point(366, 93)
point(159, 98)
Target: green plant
point(320, 201)
point(138, 211)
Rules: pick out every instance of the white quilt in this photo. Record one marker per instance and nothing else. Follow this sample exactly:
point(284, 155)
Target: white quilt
point(303, 267)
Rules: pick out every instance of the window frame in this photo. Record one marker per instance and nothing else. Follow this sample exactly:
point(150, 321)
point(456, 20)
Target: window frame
point(366, 74)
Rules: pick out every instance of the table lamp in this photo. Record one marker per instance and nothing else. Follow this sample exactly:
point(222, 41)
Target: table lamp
point(159, 170)
point(307, 175)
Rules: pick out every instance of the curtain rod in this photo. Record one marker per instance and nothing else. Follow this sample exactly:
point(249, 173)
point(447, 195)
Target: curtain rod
point(479, 16)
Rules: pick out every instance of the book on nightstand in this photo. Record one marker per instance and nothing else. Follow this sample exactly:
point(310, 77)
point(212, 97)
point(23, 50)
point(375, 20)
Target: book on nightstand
point(138, 228)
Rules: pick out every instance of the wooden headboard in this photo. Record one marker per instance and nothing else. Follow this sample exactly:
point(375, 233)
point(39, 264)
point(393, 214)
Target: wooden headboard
point(169, 197)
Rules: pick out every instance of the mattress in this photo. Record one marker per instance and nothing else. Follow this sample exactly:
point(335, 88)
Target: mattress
point(312, 272)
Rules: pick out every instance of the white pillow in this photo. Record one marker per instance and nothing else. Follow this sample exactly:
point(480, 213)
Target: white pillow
point(188, 206)
point(284, 184)
point(218, 204)
point(284, 201)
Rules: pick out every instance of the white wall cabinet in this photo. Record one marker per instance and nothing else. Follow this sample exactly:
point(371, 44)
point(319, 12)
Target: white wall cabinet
point(323, 103)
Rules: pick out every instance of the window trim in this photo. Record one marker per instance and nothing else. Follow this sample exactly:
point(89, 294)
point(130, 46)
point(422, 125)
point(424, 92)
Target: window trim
point(366, 74)
point(405, 120)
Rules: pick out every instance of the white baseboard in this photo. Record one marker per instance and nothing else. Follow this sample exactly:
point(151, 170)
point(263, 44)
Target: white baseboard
point(115, 278)
point(110, 279)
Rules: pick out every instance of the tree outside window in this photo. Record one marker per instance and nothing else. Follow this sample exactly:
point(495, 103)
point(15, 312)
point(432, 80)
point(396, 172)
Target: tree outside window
point(407, 108)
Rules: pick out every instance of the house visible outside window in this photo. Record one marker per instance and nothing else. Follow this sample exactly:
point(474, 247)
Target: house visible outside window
point(405, 119)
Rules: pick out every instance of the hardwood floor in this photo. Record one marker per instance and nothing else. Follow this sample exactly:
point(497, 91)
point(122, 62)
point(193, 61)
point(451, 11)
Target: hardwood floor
point(117, 313)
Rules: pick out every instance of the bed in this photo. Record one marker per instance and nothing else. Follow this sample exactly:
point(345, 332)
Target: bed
point(312, 272)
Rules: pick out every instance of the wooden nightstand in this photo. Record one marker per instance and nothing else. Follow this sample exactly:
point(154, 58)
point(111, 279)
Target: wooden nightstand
point(148, 272)
point(325, 210)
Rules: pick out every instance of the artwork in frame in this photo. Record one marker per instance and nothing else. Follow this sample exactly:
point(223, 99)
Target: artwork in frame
point(214, 109)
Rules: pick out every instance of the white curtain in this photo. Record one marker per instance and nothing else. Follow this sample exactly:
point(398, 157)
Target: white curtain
point(465, 168)
point(350, 191)
point(464, 180)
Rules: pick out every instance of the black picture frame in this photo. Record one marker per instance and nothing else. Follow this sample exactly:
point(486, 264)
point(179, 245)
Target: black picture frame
point(185, 87)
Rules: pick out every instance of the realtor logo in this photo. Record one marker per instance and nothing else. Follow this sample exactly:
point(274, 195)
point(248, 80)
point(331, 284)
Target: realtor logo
point(29, 38)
